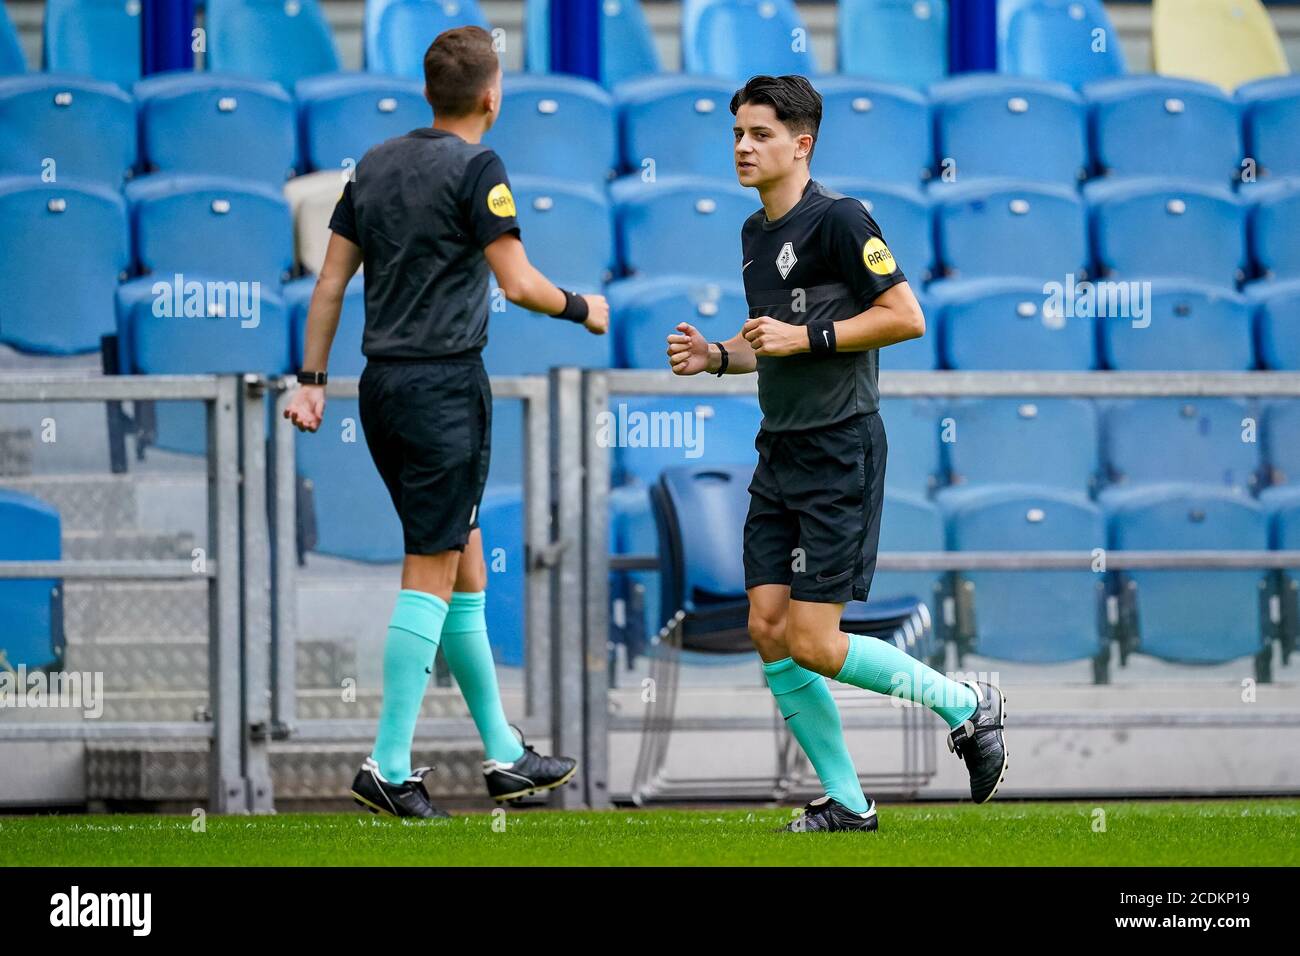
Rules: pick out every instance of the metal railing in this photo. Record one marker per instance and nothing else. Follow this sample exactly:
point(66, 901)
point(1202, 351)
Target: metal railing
point(598, 386)
point(231, 789)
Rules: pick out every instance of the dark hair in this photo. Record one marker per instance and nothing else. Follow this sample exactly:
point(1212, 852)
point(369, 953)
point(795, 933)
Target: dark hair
point(796, 103)
point(458, 66)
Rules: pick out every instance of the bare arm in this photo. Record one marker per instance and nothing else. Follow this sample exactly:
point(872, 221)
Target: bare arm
point(895, 316)
point(342, 259)
point(525, 286)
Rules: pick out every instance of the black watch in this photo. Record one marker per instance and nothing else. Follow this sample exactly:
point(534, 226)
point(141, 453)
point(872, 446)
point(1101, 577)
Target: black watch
point(312, 378)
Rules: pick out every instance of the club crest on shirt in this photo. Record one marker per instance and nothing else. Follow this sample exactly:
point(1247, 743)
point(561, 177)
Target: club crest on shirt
point(786, 259)
point(500, 201)
point(878, 257)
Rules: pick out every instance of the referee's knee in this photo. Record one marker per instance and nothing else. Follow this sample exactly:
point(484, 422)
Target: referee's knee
point(767, 631)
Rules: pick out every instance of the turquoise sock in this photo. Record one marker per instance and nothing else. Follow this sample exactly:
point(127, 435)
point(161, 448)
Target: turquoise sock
point(806, 703)
point(469, 656)
point(409, 650)
point(879, 666)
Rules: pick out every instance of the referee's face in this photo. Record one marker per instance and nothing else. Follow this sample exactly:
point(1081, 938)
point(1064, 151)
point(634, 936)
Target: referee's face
point(765, 150)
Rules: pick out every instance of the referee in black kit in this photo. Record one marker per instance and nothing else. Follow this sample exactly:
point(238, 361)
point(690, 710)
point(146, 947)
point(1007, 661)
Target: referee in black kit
point(824, 295)
point(430, 213)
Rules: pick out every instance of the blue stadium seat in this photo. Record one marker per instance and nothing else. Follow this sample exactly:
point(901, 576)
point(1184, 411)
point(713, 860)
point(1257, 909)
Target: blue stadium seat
point(99, 38)
point(627, 47)
point(677, 125)
point(644, 312)
point(992, 324)
point(342, 116)
point(213, 226)
point(997, 228)
point(1275, 228)
point(12, 59)
point(234, 333)
point(40, 310)
point(1071, 41)
point(270, 39)
point(857, 116)
point(1272, 124)
point(1017, 126)
point(651, 434)
point(562, 127)
point(1277, 323)
point(1281, 449)
point(206, 124)
point(85, 127)
point(1190, 326)
point(909, 522)
point(904, 216)
point(897, 41)
point(912, 432)
point(1284, 507)
point(501, 520)
point(1001, 441)
point(1192, 617)
point(681, 225)
point(1199, 440)
point(30, 530)
point(1030, 616)
point(567, 228)
point(398, 32)
point(1155, 228)
point(737, 39)
point(354, 516)
point(1197, 125)
point(526, 343)
point(700, 515)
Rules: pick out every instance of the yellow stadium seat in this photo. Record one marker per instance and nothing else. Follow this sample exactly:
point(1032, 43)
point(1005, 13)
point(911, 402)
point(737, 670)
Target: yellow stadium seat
point(1225, 42)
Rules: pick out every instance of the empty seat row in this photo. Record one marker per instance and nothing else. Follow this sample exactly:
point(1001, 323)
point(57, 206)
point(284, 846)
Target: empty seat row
point(968, 128)
point(951, 450)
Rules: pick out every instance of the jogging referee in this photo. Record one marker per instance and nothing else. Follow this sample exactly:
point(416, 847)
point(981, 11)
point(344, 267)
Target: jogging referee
point(824, 295)
point(429, 213)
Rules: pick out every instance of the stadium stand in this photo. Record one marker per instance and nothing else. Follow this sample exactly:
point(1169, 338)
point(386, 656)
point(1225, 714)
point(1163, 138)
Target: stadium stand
point(627, 48)
point(776, 39)
point(56, 126)
point(1071, 41)
point(988, 324)
point(1277, 323)
point(1190, 325)
point(1224, 42)
point(97, 38)
point(555, 122)
point(269, 39)
point(855, 112)
point(205, 124)
point(1197, 125)
point(1275, 228)
point(340, 116)
point(895, 41)
point(1272, 124)
point(12, 59)
point(671, 125)
point(397, 31)
point(30, 530)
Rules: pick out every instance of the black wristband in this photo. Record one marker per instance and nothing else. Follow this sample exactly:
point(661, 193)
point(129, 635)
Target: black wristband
point(725, 360)
point(821, 337)
point(575, 307)
point(312, 378)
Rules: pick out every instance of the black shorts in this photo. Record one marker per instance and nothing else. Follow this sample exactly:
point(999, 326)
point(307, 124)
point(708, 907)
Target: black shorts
point(814, 510)
point(428, 425)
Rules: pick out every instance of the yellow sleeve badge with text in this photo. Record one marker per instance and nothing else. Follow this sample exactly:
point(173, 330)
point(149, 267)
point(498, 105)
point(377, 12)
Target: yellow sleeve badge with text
point(500, 202)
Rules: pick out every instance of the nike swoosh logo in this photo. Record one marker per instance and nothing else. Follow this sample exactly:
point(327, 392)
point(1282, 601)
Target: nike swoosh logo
point(747, 265)
point(795, 714)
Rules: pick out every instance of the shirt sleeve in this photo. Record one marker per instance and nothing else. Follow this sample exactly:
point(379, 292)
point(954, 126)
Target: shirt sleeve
point(855, 247)
point(490, 204)
point(344, 220)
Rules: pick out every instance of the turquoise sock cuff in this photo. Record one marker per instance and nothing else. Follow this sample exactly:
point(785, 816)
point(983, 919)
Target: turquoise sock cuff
point(467, 612)
point(854, 659)
point(785, 676)
point(420, 613)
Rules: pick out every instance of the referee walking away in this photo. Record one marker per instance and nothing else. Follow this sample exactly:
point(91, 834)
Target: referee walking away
point(429, 213)
point(824, 295)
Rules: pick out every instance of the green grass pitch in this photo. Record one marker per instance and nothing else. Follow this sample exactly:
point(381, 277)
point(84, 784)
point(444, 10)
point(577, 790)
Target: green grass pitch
point(1219, 832)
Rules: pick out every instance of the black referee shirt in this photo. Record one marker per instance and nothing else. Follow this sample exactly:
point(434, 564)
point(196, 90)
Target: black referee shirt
point(422, 207)
point(824, 259)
